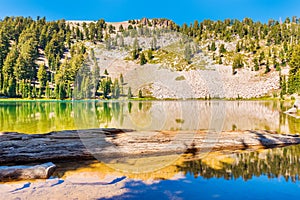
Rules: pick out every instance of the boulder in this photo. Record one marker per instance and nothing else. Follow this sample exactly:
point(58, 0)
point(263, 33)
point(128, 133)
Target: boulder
point(23, 172)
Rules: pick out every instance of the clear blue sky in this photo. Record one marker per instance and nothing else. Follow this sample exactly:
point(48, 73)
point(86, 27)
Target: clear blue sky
point(179, 11)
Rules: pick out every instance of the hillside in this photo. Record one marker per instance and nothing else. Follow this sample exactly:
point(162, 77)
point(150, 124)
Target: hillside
point(148, 58)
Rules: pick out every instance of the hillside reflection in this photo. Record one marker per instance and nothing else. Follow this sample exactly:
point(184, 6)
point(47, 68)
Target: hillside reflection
point(43, 117)
point(274, 163)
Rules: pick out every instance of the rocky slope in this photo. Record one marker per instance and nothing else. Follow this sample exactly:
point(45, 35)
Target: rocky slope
point(159, 78)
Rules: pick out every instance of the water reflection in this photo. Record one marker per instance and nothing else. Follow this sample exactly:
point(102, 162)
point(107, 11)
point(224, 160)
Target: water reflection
point(43, 117)
point(272, 163)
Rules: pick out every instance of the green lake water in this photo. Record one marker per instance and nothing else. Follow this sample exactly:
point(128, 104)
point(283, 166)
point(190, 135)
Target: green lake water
point(43, 117)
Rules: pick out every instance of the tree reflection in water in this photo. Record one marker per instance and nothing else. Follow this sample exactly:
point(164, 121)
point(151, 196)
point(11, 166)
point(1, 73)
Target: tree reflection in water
point(274, 163)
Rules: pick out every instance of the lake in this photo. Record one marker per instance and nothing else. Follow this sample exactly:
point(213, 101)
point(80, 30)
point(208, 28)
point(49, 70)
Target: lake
point(43, 117)
point(261, 174)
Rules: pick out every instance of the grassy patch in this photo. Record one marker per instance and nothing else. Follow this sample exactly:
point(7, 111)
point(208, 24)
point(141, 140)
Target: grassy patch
point(169, 60)
point(175, 47)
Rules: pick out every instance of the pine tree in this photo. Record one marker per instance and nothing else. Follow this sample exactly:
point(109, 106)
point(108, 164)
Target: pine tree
point(282, 85)
point(9, 63)
point(4, 50)
point(256, 66)
point(42, 76)
point(237, 62)
point(188, 53)
point(129, 94)
point(117, 90)
point(222, 49)
point(150, 55)
point(121, 79)
point(56, 91)
point(11, 87)
point(293, 80)
point(106, 72)
point(121, 29)
point(136, 44)
point(134, 54)
point(154, 44)
point(267, 67)
point(62, 91)
point(48, 92)
point(213, 46)
point(121, 41)
point(143, 59)
point(140, 94)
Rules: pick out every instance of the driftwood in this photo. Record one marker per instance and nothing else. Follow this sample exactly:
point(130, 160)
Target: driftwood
point(111, 143)
point(43, 171)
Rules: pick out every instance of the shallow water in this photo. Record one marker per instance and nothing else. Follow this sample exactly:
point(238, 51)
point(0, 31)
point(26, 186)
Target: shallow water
point(43, 117)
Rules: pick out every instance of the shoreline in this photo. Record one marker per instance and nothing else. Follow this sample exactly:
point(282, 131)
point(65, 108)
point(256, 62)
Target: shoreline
point(145, 99)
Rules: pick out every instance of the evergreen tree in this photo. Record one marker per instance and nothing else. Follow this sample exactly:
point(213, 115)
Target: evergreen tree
point(134, 54)
point(256, 66)
point(62, 91)
point(143, 59)
point(116, 89)
point(267, 67)
point(222, 49)
point(154, 44)
point(48, 91)
point(129, 94)
point(237, 62)
point(188, 53)
point(106, 72)
point(42, 76)
point(11, 87)
point(136, 44)
point(9, 64)
point(282, 85)
point(213, 46)
point(293, 80)
point(121, 29)
point(150, 55)
point(4, 50)
point(121, 79)
point(140, 94)
point(121, 41)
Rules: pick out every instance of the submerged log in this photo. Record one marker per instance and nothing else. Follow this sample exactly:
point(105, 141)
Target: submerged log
point(42, 171)
point(110, 143)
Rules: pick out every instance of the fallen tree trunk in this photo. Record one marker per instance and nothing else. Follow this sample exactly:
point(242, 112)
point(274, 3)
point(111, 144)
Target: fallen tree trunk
point(42, 171)
point(110, 143)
